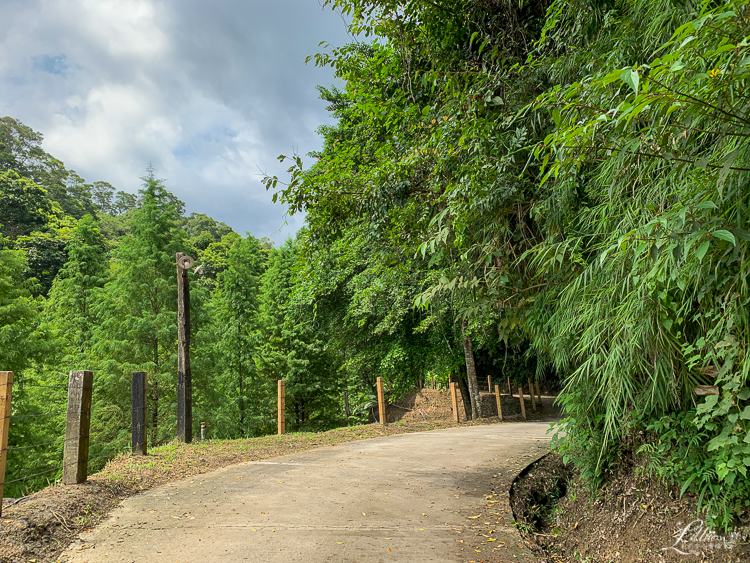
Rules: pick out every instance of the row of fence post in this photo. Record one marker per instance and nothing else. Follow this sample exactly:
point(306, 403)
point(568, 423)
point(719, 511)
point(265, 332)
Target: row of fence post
point(382, 418)
point(454, 397)
point(78, 418)
point(281, 406)
point(77, 427)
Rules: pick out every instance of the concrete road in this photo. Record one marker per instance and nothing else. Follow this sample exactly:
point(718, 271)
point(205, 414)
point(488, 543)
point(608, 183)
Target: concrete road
point(393, 499)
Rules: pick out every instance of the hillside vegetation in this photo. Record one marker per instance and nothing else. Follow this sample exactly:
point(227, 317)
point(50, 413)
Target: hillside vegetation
point(570, 180)
point(554, 189)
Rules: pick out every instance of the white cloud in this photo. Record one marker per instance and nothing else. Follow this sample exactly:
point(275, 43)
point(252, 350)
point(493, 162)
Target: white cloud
point(209, 92)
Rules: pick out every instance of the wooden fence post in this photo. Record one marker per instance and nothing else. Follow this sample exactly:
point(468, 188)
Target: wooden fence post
point(523, 406)
point(6, 392)
point(138, 427)
point(381, 402)
point(282, 408)
point(489, 383)
point(454, 400)
point(538, 394)
point(77, 425)
point(184, 375)
point(531, 393)
point(510, 389)
point(499, 402)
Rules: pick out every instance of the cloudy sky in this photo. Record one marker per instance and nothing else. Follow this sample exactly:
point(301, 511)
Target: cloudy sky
point(210, 92)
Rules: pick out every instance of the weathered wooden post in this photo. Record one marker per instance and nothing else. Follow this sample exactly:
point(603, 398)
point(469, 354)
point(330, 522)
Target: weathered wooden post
point(523, 406)
point(499, 402)
point(6, 393)
point(538, 394)
point(454, 401)
point(281, 423)
point(77, 425)
point(184, 377)
point(510, 389)
point(381, 402)
point(138, 426)
point(531, 394)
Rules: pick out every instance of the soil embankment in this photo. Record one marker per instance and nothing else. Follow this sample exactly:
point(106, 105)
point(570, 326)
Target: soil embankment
point(633, 519)
point(432, 405)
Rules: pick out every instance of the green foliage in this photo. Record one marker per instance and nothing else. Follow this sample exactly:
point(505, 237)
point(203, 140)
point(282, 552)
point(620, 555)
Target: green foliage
point(678, 455)
point(75, 292)
point(228, 340)
point(572, 175)
point(138, 313)
point(21, 339)
point(564, 183)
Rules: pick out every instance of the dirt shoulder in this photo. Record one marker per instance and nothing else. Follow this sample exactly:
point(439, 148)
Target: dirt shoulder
point(633, 519)
point(44, 523)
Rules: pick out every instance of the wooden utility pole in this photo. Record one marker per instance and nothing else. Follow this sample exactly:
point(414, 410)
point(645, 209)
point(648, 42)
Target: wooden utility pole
point(499, 402)
point(6, 392)
point(381, 402)
point(138, 426)
point(454, 400)
point(184, 377)
point(77, 425)
point(281, 402)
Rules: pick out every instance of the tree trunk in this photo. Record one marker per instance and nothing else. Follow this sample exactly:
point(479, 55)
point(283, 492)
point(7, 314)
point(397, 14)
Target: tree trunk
point(155, 398)
point(465, 395)
point(471, 374)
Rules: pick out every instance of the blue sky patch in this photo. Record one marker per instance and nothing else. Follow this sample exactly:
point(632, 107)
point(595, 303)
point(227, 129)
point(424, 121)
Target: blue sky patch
point(51, 65)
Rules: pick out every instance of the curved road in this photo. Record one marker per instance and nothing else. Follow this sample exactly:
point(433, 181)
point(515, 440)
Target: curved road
point(408, 497)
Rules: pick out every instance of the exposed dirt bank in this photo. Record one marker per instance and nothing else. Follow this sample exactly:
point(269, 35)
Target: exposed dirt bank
point(435, 404)
point(634, 519)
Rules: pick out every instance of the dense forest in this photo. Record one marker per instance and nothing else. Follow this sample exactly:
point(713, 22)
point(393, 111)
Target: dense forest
point(554, 189)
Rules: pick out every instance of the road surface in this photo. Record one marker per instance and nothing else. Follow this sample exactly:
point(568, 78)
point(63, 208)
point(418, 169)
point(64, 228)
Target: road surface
point(399, 498)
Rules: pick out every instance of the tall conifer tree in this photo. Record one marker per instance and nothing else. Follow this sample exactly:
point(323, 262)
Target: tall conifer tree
point(139, 322)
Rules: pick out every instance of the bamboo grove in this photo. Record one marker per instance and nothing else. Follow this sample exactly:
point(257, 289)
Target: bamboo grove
point(569, 181)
